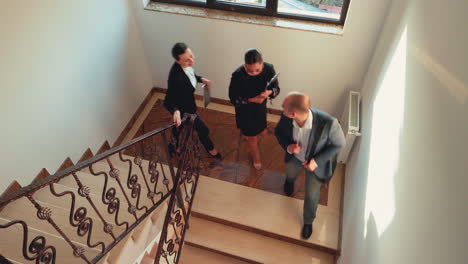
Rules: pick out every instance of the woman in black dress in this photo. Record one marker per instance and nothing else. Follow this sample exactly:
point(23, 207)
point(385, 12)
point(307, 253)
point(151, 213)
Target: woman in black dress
point(248, 93)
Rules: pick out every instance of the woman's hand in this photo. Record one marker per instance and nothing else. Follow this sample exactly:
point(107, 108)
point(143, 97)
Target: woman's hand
point(266, 93)
point(176, 118)
point(206, 82)
point(257, 99)
point(261, 97)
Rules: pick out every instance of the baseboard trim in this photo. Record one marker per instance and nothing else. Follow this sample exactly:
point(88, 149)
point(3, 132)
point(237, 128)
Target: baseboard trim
point(135, 116)
point(67, 163)
point(41, 175)
point(86, 155)
point(219, 101)
point(340, 231)
point(265, 233)
point(220, 252)
point(105, 147)
point(13, 187)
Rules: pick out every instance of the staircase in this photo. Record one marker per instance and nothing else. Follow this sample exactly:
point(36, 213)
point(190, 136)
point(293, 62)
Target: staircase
point(246, 225)
point(130, 205)
point(127, 204)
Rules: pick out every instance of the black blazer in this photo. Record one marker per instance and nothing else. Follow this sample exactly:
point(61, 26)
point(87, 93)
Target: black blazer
point(330, 142)
point(251, 117)
point(238, 88)
point(180, 91)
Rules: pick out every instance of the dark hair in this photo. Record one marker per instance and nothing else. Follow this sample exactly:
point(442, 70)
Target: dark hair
point(252, 56)
point(179, 48)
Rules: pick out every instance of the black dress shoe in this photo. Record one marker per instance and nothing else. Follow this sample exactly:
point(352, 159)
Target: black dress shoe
point(288, 188)
point(306, 231)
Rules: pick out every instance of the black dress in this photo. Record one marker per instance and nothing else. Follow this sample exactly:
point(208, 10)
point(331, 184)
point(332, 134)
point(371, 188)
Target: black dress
point(251, 117)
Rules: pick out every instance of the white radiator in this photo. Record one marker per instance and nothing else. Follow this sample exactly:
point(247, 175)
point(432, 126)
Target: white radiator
point(350, 121)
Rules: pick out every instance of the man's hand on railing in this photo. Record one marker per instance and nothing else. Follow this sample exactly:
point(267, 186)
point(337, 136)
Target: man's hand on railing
point(176, 118)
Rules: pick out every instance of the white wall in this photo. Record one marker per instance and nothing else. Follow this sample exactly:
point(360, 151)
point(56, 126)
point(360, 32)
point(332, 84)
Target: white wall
point(405, 194)
point(72, 73)
point(324, 66)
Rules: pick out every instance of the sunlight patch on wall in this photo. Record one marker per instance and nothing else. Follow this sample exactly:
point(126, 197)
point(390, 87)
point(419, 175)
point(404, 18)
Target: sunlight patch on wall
point(387, 121)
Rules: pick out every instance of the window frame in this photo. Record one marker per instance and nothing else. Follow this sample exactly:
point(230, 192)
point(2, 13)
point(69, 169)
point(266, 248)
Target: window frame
point(269, 10)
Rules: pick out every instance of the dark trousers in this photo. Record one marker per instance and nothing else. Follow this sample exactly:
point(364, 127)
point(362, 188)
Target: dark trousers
point(202, 131)
point(312, 188)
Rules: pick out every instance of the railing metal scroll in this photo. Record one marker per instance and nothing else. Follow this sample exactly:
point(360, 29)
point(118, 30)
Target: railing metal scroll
point(84, 211)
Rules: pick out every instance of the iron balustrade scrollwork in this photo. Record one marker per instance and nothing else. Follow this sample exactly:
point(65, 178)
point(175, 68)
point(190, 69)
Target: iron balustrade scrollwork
point(180, 204)
point(38, 250)
point(93, 205)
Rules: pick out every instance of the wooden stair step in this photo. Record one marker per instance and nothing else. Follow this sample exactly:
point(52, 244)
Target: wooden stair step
point(15, 262)
point(135, 244)
point(193, 255)
point(12, 249)
point(158, 221)
point(150, 255)
point(146, 234)
point(141, 231)
point(264, 212)
point(120, 253)
point(139, 238)
point(250, 246)
point(147, 260)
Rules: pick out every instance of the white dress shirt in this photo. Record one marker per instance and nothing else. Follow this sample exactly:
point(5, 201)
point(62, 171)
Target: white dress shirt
point(190, 72)
point(301, 136)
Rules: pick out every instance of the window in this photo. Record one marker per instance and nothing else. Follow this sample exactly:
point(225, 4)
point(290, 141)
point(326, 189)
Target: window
point(328, 11)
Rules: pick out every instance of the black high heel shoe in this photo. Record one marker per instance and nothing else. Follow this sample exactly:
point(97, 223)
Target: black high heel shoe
point(217, 156)
point(172, 150)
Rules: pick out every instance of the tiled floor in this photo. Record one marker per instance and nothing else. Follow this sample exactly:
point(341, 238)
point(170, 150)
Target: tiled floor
point(236, 163)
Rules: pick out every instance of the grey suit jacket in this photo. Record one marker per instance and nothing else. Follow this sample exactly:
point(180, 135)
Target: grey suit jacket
point(331, 141)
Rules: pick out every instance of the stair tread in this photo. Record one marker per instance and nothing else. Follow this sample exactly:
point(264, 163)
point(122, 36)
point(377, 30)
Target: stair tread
point(60, 205)
point(12, 249)
point(251, 246)
point(147, 260)
point(267, 212)
point(118, 252)
point(136, 243)
point(194, 255)
point(15, 262)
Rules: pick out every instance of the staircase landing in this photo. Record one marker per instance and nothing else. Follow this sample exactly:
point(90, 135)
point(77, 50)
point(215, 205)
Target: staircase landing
point(267, 213)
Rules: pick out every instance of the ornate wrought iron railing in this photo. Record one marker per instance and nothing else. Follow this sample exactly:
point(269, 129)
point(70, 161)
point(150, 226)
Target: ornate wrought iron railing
point(94, 205)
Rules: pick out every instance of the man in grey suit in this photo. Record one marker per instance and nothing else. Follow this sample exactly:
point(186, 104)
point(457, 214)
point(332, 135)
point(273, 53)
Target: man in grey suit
point(296, 133)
